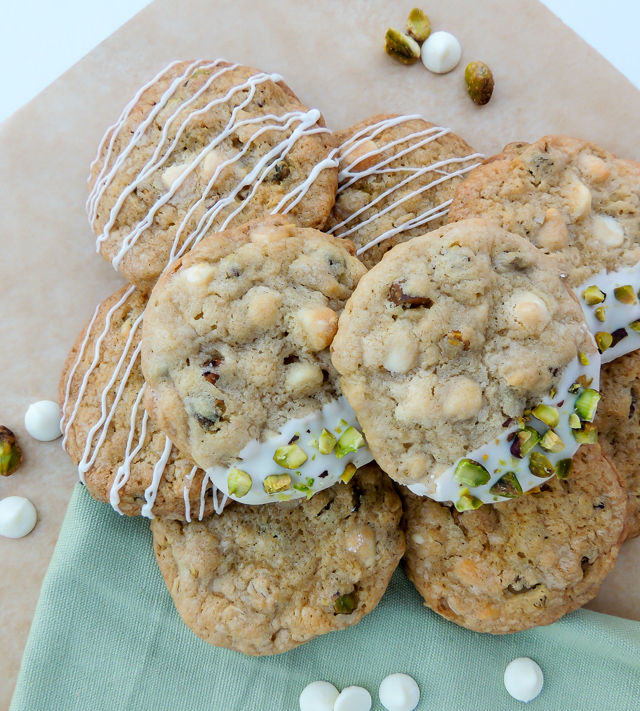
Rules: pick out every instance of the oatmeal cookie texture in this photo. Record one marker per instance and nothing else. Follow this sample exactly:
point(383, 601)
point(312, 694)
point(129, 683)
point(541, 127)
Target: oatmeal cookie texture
point(262, 580)
point(450, 336)
point(519, 564)
point(237, 334)
point(618, 422)
point(397, 177)
point(205, 145)
point(573, 200)
point(122, 457)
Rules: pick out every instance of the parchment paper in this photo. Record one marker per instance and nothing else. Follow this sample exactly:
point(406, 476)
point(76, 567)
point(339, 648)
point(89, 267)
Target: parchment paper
point(330, 52)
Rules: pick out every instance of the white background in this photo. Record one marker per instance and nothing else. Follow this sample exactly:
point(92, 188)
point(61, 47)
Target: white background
point(41, 39)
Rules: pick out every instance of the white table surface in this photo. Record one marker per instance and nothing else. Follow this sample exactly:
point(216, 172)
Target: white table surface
point(40, 39)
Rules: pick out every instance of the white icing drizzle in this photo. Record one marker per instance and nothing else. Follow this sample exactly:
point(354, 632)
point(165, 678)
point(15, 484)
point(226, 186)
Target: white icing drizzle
point(307, 125)
point(188, 480)
point(617, 314)
point(256, 458)
point(496, 457)
point(349, 175)
point(158, 470)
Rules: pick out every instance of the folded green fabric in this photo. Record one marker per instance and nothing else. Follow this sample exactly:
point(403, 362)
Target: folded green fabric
point(106, 636)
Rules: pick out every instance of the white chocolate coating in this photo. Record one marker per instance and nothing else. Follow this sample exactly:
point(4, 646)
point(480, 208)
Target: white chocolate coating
point(523, 679)
point(399, 692)
point(353, 698)
point(318, 696)
point(441, 52)
point(42, 420)
point(18, 516)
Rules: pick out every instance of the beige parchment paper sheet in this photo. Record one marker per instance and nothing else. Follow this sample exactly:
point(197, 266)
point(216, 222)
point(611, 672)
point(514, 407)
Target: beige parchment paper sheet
point(330, 52)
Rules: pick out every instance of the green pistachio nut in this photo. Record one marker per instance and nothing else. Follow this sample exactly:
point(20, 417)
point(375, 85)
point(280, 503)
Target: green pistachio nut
point(326, 442)
point(346, 604)
point(582, 357)
point(471, 473)
point(418, 25)
point(347, 474)
point(588, 434)
point(479, 81)
point(276, 482)
point(600, 314)
point(401, 47)
point(540, 466)
point(574, 388)
point(467, 503)
point(574, 421)
point(635, 326)
point(625, 294)
point(547, 414)
point(524, 441)
point(291, 456)
point(603, 340)
point(563, 468)
point(507, 486)
point(551, 442)
point(586, 404)
point(305, 488)
point(10, 452)
point(238, 482)
point(350, 441)
point(592, 295)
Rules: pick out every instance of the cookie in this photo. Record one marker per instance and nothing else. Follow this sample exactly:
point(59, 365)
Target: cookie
point(122, 457)
point(265, 579)
point(236, 358)
point(205, 145)
point(520, 564)
point(581, 205)
point(618, 423)
point(447, 345)
point(397, 177)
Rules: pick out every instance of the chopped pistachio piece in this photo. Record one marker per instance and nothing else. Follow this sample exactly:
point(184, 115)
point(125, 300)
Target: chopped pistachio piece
point(548, 415)
point(347, 474)
point(276, 482)
point(239, 482)
point(471, 473)
point(603, 340)
point(582, 357)
point(346, 604)
point(327, 442)
point(524, 442)
point(418, 25)
point(600, 315)
point(552, 393)
point(587, 434)
point(617, 336)
point(635, 326)
point(540, 466)
point(625, 294)
point(291, 456)
point(551, 442)
point(574, 388)
point(467, 503)
point(563, 468)
point(586, 404)
point(401, 47)
point(350, 441)
point(574, 421)
point(305, 488)
point(592, 295)
point(10, 452)
point(507, 486)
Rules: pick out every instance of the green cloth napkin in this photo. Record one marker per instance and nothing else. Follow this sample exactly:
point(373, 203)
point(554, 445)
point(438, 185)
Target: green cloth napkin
point(107, 636)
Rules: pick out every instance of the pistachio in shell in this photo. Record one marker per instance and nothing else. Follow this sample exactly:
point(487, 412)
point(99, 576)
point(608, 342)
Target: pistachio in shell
point(418, 25)
point(401, 47)
point(479, 80)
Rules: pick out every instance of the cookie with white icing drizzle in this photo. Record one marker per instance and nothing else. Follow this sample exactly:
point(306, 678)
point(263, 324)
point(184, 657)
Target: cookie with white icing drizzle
point(236, 358)
point(397, 177)
point(447, 348)
point(205, 145)
point(122, 457)
point(579, 204)
point(519, 564)
point(265, 579)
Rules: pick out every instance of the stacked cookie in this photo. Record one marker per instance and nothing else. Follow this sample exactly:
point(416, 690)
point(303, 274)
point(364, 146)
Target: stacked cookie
point(237, 391)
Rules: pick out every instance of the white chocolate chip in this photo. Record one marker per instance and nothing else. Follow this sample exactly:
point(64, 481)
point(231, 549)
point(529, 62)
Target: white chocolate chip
point(462, 398)
point(303, 378)
point(318, 696)
point(523, 679)
point(267, 234)
point(441, 52)
point(402, 356)
point(172, 173)
point(399, 692)
point(417, 538)
point(362, 542)
point(199, 274)
point(42, 420)
point(18, 516)
point(318, 326)
point(264, 308)
point(211, 163)
point(607, 230)
point(531, 313)
point(352, 157)
point(594, 168)
point(578, 197)
point(419, 403)
point(553, 234)
point(353, 698)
